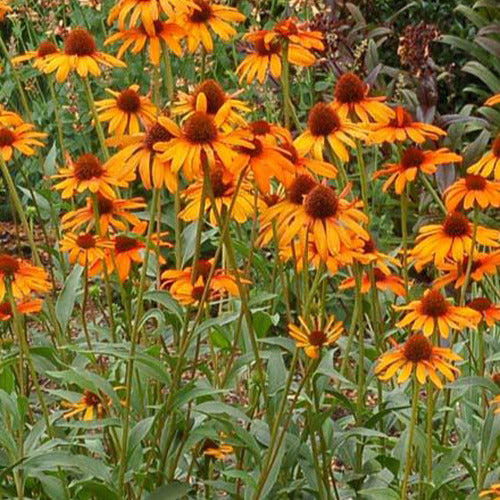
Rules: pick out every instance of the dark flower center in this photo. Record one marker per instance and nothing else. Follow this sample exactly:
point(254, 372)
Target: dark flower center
point(8, 265)
point(271, 199)
point(91, 399)
point(129, 101)
point(456, 225)
point(7, 137)
point(197, 292)
point(412, 157)
point(434, 304)
point(86, 241)
point(203, 267)
point(255, 151)
point(200, 128)
point(214, 93)
point(417, 348)
point(317, 338)
point(475, 182)
point(379, 275)
point(369, 246)
point(201, 14)
point(265, 49)
point(496, 146)
point(87, 167)
point(125, 244)
point(105, 205)
point(349, 89)
point(5, 309)
point(321, 202)
point(300, 187)
point(46, 48)
point(291, 153)
point(218, 185)
point(80, 42)
point(323, 120)
point(260, 127)
point(157, 133)
point(480, 304)
point(496, 378)
point(406, 120)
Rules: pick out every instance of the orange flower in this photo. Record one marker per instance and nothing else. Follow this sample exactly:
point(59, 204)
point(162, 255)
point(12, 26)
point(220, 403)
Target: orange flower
point(366, 252)
point(85, 249)
point(493, 490)
point(351, 97)
point(126, 110)
point(413, 161)
point(493, 100)
point(24, 277)
point(218, 451)
point(89, 404)
point(489, 163)
point(9, 118)
point(418, 355)
point(383, 282)
point(22, 138)
point(80, 54)
point(23, 307)
point(434, 313)
point(401, 128)
point(296, 33)
point(38, 56)
point(126, 251)
point(319, 336)
point(490, 313)
point(472, 190)
point(4, 9)
point(270, 132)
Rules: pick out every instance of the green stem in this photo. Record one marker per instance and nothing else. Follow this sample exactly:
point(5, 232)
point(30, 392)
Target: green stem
point(57, 115)
point(285, 83)
point(169, 79)
point(427, 183)
point(411, 434)
point(95, 115)
point(404, 232)
point(470, 259)
point(361, 363)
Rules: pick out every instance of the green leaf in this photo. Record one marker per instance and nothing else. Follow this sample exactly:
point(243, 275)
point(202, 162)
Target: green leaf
point(66, 300)
point(171, 491)
point(483, 382)
point(379, 494)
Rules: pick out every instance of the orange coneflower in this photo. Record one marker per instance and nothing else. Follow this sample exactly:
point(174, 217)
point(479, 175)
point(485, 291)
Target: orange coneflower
point(113, 214)
point(38, 56)
point(320, 335)
point(24, 277)
point(85, 249)
point(383, 282)
point(87, 172)
point(205, 15)
point(126, 251)
point(89, 404)
point(490, 313)
point(434, 313)
point(452, 238)
point(489, 163)
point(126, 111)
point(493, 491)
point(401, 128)
point(493, 100)
point(327, 127)
point(351, 97)
point(9, 118)
point(413, 161)
point(137, 38)
point(270, 132)
point(223, 185)
point(219, 451)
point(80, 54)
point(418, 355)
point(472, 190)
point(23, 307)
point(366, 252)
point(22, 138)
point(296, 33)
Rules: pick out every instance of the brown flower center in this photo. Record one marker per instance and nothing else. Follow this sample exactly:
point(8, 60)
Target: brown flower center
point(203, 267)
point(255, 151)
point(125, 244)
point(417, 348)
point(80, 42)
point(214, 93)
point(379, 275)
point(271, 199)
point(317, 338)
point(369, 246)
point(86, 241)
point(5, 309)
point(404, 122)
point(321, 202)
point(46, 48)
point(480, 304)
point(475, 182)
point(265, 49)
point(88, 167)
point(300, 187)
point(291, 153)
point(434, 304)
point(201, 14)
point(200, 128)
point(8, 265)
point(105, 205)
point(456, 225)
point(197, 292)
point(260, 127)
point(91, 399)
point(218, 185)
point(323, 120)
point(496, 378)
point(412, 157)
point(7, 137)
point(496, 146)
point(349, 89)
point(157, 133)
point(129, 101)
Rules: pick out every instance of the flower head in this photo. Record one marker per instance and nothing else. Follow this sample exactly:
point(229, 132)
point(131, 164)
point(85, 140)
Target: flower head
point(22, 138)
point(489, 163)
point(45, 49)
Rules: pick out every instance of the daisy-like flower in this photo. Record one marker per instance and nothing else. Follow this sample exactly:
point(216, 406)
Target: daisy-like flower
point(296, 33)
point(216, 99)
point(9, 118)
point(126, 110)
point(127, 250)
point(85, 249)
point(37, 56)
point(452, 239)
point(383, 282)
point(24, 277)
point(455, 272)
point(27, 306)
point(89, 404)
point(402, 127)
point(200, 137)
point(81, 55)
point(113, 214)
point(223, 184)
point(418, 355)
point(327, 127)
point(472, 190)
point(493, 100)
point(136, 39)
point(138, 152)
point(492, 491)
point(205, 15)
point(270, 133)
point(433, 312)
point(4, 9)
point(351, 98)
point(87, 172)
point(413, 161)
point(22, 138)
point(320, 334)
point(490, 313)
point(489, 163)
point(366, 252)
point(219, 451)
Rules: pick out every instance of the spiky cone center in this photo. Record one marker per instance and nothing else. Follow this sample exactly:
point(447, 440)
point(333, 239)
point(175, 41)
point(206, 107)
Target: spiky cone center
point(475, 182)
point(412, 157)
point(300, 187)
point(321, 202)
point(200, 128)
point(8, 265)
point(456, 225)
point(202, 269)
point(496, 146)
point(349, 89)
point(91, 399)
point(254, 152)
point(369, 246)
point(417, 348)
point(317, 338)
point(219, 187)
point(6, 309)
point(86, 241)
point(129, 101)
point(323, 120)
point(379, 275)
point(264, 49)
point(480, 304)
point(80, 42)
point(7, 137)
point(46, 48)
point(197, 292)
point(260, 127)
point(125, 244)
point(405, 122)
point(202, 14)
point(157, 133)
point(214, 93)
point(433, 304)
point(104, 205)
point(88, 167)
